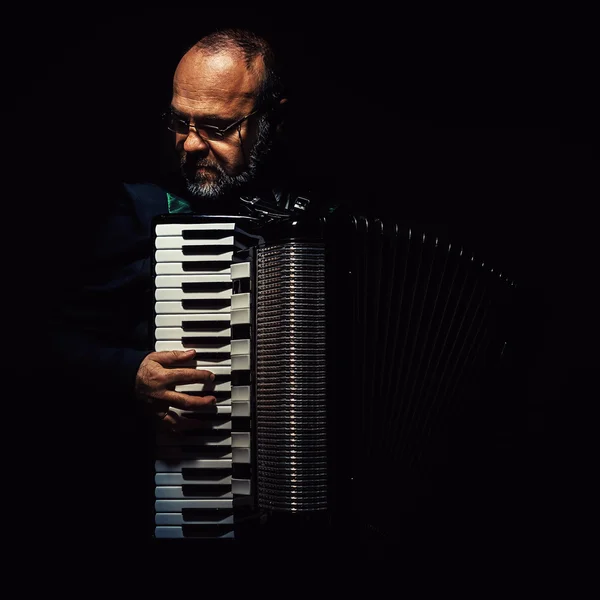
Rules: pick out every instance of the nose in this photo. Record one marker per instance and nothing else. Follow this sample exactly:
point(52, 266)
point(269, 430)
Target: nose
point(193, 142)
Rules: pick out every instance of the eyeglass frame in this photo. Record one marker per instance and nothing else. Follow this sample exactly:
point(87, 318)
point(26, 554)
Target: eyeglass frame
point(220, 132)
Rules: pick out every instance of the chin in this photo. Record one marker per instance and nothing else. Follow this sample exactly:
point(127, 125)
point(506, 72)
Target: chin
point(206, 190)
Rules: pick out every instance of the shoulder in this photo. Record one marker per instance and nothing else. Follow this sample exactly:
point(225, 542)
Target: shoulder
point(146, 198)
point(127, 210)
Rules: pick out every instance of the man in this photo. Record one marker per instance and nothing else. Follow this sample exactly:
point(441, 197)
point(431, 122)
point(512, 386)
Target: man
point(225, 122)
point(225, 117)
point(224, 113)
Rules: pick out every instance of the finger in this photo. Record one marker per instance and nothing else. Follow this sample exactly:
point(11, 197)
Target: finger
point(160, 409)
point(177, 423)
point(166, 358)
point(183, 423)
point(176, 376)
point(188, 401)
point(167, 421)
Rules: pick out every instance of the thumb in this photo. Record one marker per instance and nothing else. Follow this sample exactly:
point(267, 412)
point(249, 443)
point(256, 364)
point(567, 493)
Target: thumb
point(171, 357)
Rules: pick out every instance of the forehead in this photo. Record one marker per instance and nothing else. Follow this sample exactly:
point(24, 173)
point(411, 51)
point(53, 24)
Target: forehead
point(218, 83)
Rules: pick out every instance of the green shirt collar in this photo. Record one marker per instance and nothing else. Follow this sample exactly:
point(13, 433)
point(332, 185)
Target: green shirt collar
point(177, 204)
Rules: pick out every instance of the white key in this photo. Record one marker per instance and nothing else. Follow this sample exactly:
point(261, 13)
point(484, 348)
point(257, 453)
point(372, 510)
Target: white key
point(237, 439)
point(167, 242)
point(240, 409)
point(176, 268)
point(177, 333)
point(174, 294)
point(240, 347)
point(240, 301)
point(224, 386)
point(209, 386)
point(223, 370)
point(199, 320)
point(240, 439)
point(177, 533)
point(179, 505)
point(240, 316)
point(176, 281)
point(165, 479)
point(201, 362)
point(203, 425)
point(178, 308)
point(172, 453)
point(178, 228)
point(167, 345)
point(179, 256)
point(241, 456)
point(198, 439)
point(220, 411)
point(240, 355)
point(240, 487)
point(240, 270)
point(224, 402)
point(240, 363)
point(176, 491)
point(161, 466)
point(177, 519)
point(240, 393)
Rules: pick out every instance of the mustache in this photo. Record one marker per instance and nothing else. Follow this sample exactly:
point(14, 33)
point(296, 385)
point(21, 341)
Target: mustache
point(190, 163)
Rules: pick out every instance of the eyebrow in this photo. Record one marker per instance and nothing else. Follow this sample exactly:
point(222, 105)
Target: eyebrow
point(204, 118)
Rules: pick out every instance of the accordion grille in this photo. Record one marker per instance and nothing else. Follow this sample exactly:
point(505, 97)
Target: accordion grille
point(291, 456)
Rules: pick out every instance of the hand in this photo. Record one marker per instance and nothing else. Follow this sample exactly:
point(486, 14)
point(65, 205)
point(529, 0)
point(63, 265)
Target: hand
point(155, 383)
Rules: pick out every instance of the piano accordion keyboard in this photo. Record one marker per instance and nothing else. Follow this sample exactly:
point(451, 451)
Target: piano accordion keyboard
point(202, 474)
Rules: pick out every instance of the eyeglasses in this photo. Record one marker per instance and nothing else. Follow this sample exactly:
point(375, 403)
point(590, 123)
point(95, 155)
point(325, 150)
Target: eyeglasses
point(210, 133)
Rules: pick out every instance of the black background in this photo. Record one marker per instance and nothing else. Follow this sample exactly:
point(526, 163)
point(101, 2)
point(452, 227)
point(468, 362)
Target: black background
point(481, 125)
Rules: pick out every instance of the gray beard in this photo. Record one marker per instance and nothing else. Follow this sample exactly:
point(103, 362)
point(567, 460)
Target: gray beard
point(225, 184)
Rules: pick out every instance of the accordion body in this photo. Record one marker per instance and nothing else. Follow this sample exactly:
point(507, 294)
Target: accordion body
point(340, 344)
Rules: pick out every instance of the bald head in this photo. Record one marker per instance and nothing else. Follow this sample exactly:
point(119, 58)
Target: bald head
point(244, 48)
point(217, 75)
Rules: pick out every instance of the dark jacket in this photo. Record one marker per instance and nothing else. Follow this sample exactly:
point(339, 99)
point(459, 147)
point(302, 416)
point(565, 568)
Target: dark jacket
point(100, 318)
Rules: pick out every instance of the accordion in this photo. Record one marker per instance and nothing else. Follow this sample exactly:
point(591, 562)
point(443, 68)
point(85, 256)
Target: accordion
point(340, 345)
